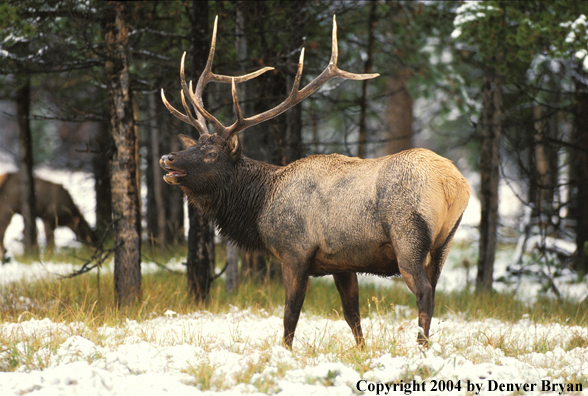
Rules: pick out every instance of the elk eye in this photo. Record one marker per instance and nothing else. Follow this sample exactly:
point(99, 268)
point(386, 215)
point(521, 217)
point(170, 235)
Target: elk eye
point(211, 155)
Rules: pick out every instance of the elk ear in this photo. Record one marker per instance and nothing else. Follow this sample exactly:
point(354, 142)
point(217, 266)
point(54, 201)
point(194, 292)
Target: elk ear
point(235, 147)
point(187, 141)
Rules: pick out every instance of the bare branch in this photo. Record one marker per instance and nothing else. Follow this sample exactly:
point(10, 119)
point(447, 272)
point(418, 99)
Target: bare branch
point(99, 256)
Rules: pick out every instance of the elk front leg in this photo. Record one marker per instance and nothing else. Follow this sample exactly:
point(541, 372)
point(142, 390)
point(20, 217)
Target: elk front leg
point(295, 284)
point(49, 235)
point(348, 290)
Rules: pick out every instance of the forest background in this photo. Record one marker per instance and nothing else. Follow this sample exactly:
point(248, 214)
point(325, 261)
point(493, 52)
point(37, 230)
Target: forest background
point(500, 88)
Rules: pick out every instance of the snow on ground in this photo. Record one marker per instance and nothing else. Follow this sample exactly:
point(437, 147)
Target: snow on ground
point(241, 353)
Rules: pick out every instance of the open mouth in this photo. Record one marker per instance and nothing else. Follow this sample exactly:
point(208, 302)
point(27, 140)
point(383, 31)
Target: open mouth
point(175, 173)
point(173, 176)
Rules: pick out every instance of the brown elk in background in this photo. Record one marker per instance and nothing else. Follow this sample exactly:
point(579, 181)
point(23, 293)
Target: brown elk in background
point(325, 214)
point(53, 205)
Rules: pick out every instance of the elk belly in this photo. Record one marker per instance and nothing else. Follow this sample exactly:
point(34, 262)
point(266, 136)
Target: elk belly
point(371, 259)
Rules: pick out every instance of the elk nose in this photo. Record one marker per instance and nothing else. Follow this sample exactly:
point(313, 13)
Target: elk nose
point(169, 157)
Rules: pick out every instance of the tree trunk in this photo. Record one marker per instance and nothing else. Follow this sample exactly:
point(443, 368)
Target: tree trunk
point(543, 169)
point(136, 116)
point(151, 162)
point(123, 167)
point(199, 265)
point(293, 134)
point(293, 118)
point(155, 202)
point(279, 140)
point(399, 113)
point(491, 123)
point(581, 166)
point(102, 179)
point(254, 265)
point(27, 186)
point(361, 148)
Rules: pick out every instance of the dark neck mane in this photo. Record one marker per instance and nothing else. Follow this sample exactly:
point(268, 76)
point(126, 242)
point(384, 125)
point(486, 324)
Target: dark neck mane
point(236, 207)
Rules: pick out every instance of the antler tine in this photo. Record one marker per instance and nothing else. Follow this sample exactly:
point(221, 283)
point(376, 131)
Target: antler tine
point(199, 123)
point(188, 119)
point(195, 97)
point(332, 69)
point(236, 106)
point(296, 96)
point(173, 110)
point(208, 76)
point(244, 123)
point(334, 43)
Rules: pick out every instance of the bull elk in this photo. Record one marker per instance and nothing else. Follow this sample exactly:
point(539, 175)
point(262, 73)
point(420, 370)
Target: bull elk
point(53, 205)
point(325, 214)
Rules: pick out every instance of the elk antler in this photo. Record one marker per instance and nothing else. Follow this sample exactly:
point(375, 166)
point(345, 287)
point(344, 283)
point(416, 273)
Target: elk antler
point(296, 95)
point(207, 76)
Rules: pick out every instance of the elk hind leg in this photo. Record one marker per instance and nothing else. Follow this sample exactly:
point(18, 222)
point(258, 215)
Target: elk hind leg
point(438, 257)
point(418, 283)
point(295, 284)
point(412, 246)
point(348, 290)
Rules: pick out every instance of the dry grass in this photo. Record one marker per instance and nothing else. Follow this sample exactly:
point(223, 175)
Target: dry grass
point(91, 300)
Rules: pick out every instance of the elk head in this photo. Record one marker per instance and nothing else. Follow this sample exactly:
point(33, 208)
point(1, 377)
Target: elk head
point(205, 163)
point(202, 162)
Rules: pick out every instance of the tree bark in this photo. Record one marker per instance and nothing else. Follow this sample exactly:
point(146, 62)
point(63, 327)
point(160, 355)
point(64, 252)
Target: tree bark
point(491, 123)
point(581, 166)
point(198, 266)
point(279, 140)
point(543, 169)
point(293, 133)
point(123, 166)
point(293, 118)
point(155, 202)
point(102, 179)
point(27, 186)
point(361, 148)
point(399, 113)
point(136, 117)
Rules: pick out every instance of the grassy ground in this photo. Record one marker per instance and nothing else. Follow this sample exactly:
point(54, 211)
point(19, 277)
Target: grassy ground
point(88, 297)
